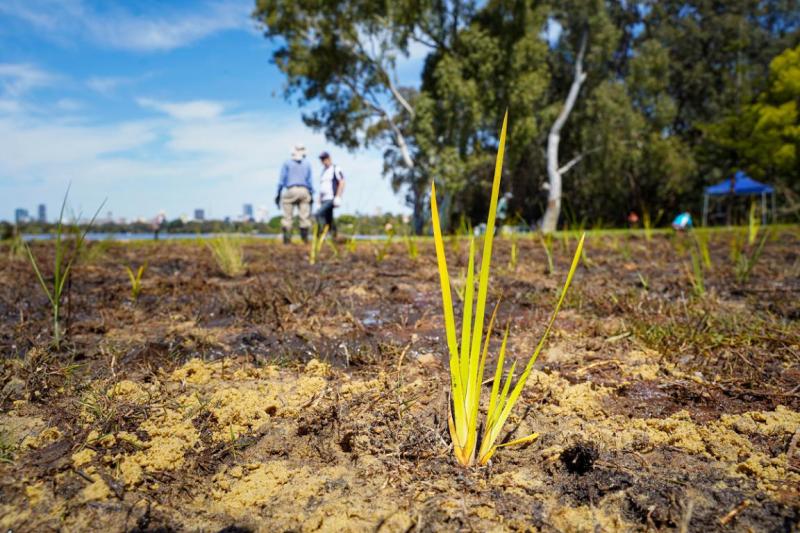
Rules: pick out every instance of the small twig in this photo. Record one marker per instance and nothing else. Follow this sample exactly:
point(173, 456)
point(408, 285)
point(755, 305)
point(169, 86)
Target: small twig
point(687, 516)
point(733, 512)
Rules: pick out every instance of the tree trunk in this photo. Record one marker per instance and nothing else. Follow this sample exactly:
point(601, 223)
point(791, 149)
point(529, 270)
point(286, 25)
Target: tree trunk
point(554, 173)
point(418, 216)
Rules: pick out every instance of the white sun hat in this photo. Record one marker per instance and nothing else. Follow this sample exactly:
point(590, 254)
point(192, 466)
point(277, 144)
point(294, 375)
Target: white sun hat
point(298, 151)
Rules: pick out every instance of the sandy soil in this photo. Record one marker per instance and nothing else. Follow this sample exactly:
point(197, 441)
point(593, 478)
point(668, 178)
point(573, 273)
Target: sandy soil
point(314, 398)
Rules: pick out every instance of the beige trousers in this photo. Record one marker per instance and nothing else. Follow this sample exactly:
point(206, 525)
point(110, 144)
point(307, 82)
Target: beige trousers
point(296, 196)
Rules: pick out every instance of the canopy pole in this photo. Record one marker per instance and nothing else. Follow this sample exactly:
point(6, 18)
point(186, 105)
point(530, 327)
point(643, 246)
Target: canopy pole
point(774, 220)
point(705, 210)
point(763, 208)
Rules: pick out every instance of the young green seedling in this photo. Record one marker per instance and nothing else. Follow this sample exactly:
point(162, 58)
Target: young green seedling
point(467, 360)
point(317, 239)
point(62, 265)
point(411, 248)
point(136, 280)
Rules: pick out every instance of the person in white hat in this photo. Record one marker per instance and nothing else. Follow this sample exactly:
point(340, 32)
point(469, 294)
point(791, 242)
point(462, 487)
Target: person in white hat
point(295, 183)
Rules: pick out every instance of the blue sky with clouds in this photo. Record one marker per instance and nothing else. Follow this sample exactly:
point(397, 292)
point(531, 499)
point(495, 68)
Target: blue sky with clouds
point(156, 105)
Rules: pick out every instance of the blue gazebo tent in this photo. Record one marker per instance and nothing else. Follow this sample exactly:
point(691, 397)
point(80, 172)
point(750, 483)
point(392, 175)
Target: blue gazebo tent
point(740, 185)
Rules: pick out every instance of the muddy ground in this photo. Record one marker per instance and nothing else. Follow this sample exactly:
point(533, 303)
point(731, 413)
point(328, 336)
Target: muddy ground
point(303, 397)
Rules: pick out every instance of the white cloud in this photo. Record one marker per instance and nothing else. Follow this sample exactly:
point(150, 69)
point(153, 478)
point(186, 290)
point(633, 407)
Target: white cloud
point(168, 163)
point(19, 78)
point(156, 30)
point(106, 84)
point(68, 104)
point(8, 105)
point(190, 110)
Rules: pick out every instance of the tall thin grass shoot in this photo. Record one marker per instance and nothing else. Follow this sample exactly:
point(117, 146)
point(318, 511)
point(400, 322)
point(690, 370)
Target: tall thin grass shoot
point(62, 265)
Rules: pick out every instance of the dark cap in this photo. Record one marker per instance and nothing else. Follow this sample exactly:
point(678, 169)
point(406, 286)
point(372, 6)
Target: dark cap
point(324, 155)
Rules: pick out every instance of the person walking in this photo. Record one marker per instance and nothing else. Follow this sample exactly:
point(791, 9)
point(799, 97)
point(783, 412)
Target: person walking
point(299, 193)
point(331, 188)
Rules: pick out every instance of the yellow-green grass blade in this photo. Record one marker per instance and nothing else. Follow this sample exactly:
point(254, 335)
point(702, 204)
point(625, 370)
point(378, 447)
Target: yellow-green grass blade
point(466, 321)
point(502, 400)
point(444, 278)
point(130, 275)
point(494, 432)
point(483, 281)
point(522, 440)
point(516, 442)
point(39, 274)
point(322, 238)
point(482, 365)
point(473, 409)
point(498, 379)
point(456, 385)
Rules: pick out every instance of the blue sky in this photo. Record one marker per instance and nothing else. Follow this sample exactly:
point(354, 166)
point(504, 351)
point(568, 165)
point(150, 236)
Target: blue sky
point(156, 105)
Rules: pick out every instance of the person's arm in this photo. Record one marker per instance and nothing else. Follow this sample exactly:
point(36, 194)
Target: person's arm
point(282, 179)
point(308, 180)
point(340, 186)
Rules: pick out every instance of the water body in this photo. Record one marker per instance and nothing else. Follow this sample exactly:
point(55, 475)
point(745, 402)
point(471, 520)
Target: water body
point(127, 237)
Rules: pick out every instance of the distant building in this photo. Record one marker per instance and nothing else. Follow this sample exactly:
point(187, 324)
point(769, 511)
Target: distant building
point(247, 212)
point(199, 215)
point(42, 214)
point(21, 215)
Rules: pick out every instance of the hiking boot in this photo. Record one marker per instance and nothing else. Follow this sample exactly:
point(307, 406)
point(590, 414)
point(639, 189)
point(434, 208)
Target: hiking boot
point(287, 236)
point(304, 234)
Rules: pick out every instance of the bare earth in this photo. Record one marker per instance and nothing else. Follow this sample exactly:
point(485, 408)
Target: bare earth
point(314, 398)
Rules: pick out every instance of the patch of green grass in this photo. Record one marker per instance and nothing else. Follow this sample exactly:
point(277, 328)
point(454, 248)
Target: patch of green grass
point(228, 252)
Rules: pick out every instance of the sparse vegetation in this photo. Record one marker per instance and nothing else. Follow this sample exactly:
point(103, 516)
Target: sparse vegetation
point(62, 265)
point(746, 258)
point(317, 240)
point(136, 280)
point(228, 253)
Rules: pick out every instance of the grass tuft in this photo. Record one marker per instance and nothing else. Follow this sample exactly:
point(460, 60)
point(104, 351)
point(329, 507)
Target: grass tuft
point(468, 358)
point(136, 280)
point(229, 254)
point(62, 265)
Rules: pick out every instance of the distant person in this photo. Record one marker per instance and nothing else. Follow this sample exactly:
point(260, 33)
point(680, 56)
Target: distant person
point(331, 188)
point(633, 219)
point(502, 210)
point(296, 179)
point(682, 222)
point(158, 224)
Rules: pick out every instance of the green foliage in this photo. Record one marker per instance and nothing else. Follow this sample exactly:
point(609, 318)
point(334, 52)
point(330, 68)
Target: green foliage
point(228, 252)
point(677, 95)
point(763, 136)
